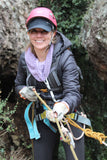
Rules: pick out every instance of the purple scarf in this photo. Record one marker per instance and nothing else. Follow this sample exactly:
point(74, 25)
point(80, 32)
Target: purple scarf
point(39, 70)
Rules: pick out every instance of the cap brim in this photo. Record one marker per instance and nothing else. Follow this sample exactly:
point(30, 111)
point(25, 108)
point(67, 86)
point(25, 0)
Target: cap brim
point(40, 23)
point(40, 26)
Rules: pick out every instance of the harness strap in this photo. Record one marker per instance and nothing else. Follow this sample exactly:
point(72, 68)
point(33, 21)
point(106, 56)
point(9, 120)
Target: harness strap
point(32, 128)
point(52, 89)
point(79, 118)
point(73, 116)
point(41, 116)
point(33, 131)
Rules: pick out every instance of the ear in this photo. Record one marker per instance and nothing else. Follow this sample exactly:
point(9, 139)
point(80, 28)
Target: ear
point(54, 33)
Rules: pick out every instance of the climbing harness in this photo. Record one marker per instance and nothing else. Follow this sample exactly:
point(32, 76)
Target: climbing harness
point(66, 133)
point(73, 116)
point(32, 128)
point(65, 139)
point(88, 132)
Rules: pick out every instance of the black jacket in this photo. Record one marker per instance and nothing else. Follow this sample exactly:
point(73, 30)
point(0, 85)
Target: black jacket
point(67, 72)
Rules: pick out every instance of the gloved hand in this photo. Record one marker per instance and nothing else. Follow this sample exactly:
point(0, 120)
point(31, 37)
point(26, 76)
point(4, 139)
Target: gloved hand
point(59, 110)
point(50, 115)
point(28, 93)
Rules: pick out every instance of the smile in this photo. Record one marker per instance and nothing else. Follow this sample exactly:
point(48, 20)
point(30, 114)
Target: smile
point(39, 41)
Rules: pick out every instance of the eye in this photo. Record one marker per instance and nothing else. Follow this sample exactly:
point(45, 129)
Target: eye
point(33, 31)
point(44, 32)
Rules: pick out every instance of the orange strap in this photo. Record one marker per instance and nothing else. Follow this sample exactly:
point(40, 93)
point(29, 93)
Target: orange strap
point(44, 90)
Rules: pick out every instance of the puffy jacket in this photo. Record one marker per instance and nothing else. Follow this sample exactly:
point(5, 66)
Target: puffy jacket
point(66, 70)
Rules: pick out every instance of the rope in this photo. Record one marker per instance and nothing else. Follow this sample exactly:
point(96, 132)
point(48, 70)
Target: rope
point(65, 121)
point(67, 139)
point(90, 133)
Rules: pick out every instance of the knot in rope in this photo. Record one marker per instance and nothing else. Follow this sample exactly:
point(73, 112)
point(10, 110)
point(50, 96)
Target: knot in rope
point(90, 133)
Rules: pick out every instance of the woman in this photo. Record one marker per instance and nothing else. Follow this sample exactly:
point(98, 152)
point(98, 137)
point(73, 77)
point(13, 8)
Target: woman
point(49, 66)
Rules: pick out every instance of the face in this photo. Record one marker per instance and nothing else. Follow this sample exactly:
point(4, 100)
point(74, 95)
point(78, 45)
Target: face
point(40, 38)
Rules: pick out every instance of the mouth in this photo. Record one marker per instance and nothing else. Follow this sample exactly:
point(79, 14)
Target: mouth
point(39, 41)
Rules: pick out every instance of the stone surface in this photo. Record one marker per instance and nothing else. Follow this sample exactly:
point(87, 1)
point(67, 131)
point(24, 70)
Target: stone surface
point(94, 36)
point(13, 41)
point(13, 37)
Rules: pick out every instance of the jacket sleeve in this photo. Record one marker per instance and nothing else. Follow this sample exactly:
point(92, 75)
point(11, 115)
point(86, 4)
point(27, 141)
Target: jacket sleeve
point(20, 80)
point(70, 80)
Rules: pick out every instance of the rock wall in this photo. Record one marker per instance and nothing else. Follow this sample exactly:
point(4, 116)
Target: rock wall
point(13, 37)
point(94, 36)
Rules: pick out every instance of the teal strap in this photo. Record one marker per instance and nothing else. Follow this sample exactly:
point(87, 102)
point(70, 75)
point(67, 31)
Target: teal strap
point(82, 119)
point(37, 134)
point(47, 122)
point(33, 131)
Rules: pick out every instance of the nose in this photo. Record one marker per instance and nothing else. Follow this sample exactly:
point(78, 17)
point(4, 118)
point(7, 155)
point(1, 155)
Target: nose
point(38, 33)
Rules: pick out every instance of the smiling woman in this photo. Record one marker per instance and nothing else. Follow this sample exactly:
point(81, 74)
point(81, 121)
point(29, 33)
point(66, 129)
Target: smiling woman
point(41, 32)
point(49, 67)
point(41, 40)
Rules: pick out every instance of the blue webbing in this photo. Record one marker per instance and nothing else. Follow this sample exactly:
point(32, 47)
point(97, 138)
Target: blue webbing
point(33, 131)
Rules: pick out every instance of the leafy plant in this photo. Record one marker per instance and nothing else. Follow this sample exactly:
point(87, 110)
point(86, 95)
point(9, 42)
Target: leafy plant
point(6, 123)
point(6, 120)
point(69, 16)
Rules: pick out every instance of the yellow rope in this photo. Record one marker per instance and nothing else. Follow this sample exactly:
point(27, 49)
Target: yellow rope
point(67, 140)
point(89, 133)
point(73, 152)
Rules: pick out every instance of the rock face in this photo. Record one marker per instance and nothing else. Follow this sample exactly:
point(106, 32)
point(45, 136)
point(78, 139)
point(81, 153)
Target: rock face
point(94, 36)
point(13, 35)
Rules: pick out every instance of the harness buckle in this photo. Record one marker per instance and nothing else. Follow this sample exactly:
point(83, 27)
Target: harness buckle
point(76, 116)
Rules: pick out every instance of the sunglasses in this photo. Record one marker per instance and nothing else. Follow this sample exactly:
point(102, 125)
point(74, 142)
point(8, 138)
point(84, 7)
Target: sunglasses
point(34, 31)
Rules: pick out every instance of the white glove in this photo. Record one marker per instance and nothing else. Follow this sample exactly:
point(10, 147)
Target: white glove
point(28, 93)
point(60, 108)
point(50, 115)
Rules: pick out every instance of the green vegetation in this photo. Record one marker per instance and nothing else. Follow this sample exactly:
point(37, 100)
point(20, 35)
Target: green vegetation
point(6, 124)
point(6, 120)
point(68, 15)
point(94, 104)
